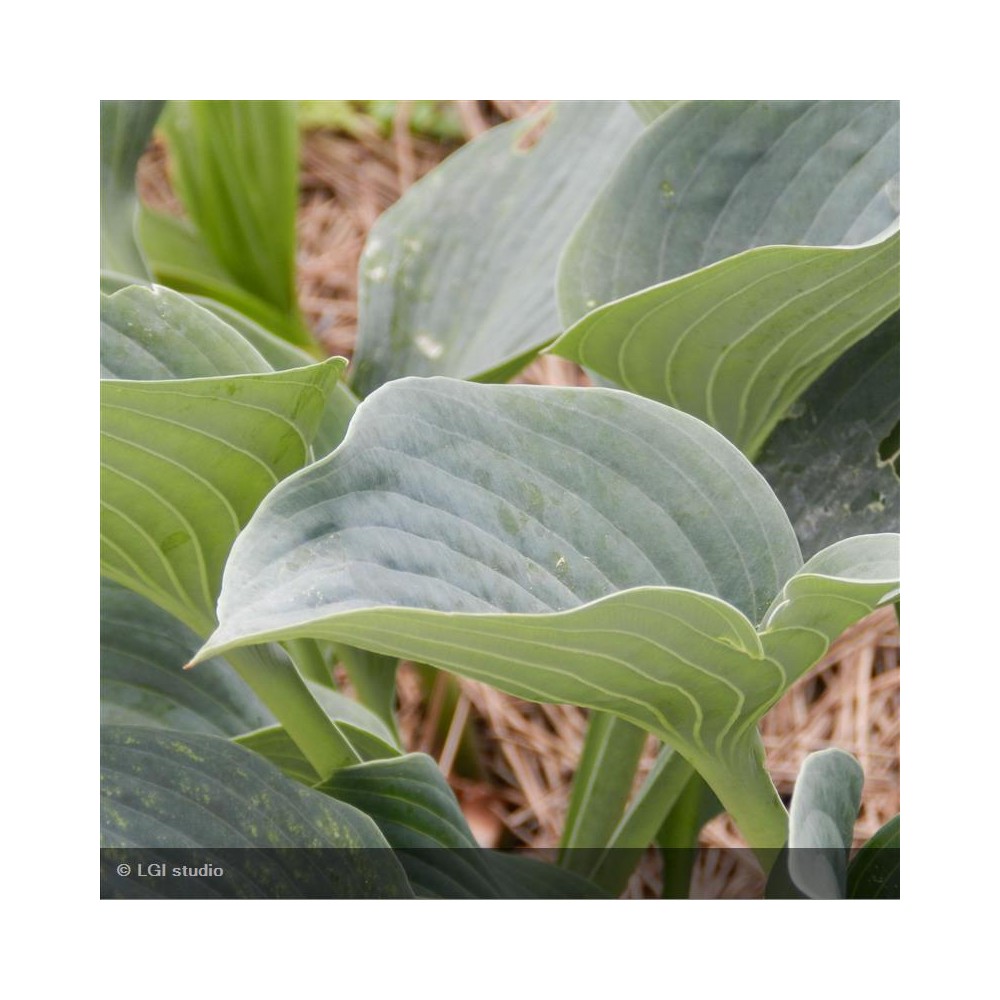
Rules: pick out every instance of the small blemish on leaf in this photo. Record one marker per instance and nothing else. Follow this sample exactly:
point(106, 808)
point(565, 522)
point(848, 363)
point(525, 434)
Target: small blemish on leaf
point(174, 540)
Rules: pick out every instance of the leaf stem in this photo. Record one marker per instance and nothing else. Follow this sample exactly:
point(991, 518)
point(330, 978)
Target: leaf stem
point(275, 680)
point(747, 793)
point(307, 656)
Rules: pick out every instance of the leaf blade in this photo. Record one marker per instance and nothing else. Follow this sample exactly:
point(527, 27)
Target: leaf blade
point(457, 277)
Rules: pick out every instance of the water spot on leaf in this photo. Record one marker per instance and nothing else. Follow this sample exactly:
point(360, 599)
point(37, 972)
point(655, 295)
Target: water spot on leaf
point(428, 346)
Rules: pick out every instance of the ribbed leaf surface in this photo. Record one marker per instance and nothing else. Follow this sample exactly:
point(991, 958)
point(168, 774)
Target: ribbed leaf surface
point(458, 277)
point(185, 463)
point(143, 652)
point(581, 546)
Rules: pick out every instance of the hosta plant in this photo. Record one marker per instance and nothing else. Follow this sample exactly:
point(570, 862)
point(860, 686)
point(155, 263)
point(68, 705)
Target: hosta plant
point(611, 547)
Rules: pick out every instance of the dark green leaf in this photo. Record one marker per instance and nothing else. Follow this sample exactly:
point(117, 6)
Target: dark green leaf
point(162, 789)
point(823, 459)
point(143, 652)
point(874, 871)
point(417, 812)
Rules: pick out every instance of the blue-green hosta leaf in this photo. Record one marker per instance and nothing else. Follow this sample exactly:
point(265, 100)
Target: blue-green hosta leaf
point(235, 167)
point(166, 790)
point(185, 463)
point(823, 459)
point(711, 179)
point(126, 127)
point(143, 652)
point(281, 355)
point(153, 333)
point(649, 111)
point(418, 814)
point(737, 342)
point(180, 259)
point(564, 545)
point(457, 277)
point(874, 871)
point(821, 823)
point(742, 246)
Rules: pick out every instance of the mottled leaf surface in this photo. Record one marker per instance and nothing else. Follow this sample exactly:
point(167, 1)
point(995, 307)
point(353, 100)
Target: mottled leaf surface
point(162, 789)
point(823, 460)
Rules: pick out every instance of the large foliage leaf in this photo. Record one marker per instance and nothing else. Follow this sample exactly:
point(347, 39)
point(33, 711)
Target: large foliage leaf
point(281, 355)
point(750, 244)
point(143, 651)
point(457, 277)
point(418, 814)
point(126, 127)
point(235, 167)
point(711, 179)
point(567, 545)
point(185, 463)
point(823, 459)
point(168, 790)
point(737, 342)
point(152, 333)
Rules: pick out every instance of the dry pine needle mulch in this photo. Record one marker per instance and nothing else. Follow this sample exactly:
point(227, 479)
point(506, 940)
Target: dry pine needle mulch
point(529, 752)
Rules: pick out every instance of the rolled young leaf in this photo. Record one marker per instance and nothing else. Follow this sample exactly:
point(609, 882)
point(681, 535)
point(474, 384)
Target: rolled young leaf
point(567, 545)
point(235, 166)
point(824, 808)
